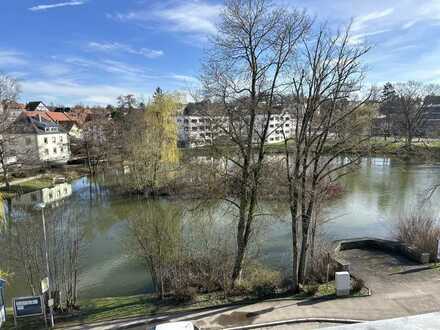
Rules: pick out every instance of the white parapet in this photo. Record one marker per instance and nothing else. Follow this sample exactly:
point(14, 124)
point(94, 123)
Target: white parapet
point(342, 284)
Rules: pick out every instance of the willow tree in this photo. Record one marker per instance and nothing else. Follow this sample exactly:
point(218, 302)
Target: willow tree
point(152, 144)
point(245, 72)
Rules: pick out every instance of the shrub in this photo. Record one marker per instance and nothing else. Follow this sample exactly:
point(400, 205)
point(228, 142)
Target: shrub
point(421, 231)
point(357, 284)
point(318, 264)
point(311, 289)
point(186, 294)
point(261, 281)
point(265, 290)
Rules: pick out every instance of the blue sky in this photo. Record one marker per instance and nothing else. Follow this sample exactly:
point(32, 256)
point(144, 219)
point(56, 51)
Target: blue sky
point(91, 51)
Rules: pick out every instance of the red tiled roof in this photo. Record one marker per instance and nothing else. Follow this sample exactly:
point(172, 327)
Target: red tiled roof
point(58, 117)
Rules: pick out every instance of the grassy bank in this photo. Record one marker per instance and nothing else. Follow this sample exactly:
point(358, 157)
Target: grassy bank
point(378, 146)
point(27, 187)
point(44, 180)
point(117, 308)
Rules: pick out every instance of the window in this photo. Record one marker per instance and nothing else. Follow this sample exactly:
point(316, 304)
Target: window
point(62, 149)
point(272, 126)
point(194, 121)
point(54, 150)
point(287, 125)
point(45, 140)
point(186, 121)
point(46, 151)
point(61, 139)
point(194, 128)
point(54, 140)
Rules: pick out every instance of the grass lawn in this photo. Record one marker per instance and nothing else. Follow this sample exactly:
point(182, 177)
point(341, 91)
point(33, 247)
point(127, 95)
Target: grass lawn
point(27, 187)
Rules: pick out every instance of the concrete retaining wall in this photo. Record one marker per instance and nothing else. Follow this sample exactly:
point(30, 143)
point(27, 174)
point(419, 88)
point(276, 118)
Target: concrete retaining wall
point(406, 250)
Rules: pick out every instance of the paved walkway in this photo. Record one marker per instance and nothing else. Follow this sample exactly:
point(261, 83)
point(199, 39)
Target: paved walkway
point(400, 288)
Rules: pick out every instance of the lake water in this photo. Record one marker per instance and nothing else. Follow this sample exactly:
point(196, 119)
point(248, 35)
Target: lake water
point(374, 196)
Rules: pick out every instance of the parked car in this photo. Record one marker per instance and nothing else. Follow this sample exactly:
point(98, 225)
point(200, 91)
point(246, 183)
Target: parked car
point(175, 326)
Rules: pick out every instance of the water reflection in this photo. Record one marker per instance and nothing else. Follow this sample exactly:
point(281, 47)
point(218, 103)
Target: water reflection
point(51, 196)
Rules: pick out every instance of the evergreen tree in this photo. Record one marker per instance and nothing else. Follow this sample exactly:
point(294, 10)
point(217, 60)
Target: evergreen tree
point(387, 107)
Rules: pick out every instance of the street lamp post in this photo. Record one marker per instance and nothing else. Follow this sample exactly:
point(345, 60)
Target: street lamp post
point(42, 206)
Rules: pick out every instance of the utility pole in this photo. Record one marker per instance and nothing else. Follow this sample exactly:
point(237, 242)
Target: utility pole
point(42, 206)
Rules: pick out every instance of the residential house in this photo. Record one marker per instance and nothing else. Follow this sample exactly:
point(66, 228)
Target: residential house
point(11, 113)
point(36, 140)
point(36, 106)
point(67, 122)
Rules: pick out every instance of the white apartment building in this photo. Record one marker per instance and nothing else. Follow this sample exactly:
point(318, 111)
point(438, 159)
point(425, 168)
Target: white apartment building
point(33, 140)
point(196, 129)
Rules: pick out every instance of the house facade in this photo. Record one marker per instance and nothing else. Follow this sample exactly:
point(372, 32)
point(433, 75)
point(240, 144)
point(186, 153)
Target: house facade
point(35, 140)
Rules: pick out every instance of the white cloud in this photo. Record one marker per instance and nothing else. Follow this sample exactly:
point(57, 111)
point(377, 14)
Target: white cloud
point(361, 22)
point(74, 92)
point(10, 57)
point(56, 70)
point(189, 16)
point(185, 79)
point(57, 5)
point(117, 47)
point(360, 38)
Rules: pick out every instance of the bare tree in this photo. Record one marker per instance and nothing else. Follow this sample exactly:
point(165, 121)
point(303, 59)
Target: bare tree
point(95, 142)
point(410, 102)
point(26, 251)
point(126, 103)
point(245, 72)
point(328, 76)
point(9, 91)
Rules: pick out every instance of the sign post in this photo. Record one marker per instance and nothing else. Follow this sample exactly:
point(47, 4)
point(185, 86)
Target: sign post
point(45, 285)
point(2, 302)
point(438, 250)
point(28, 306)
